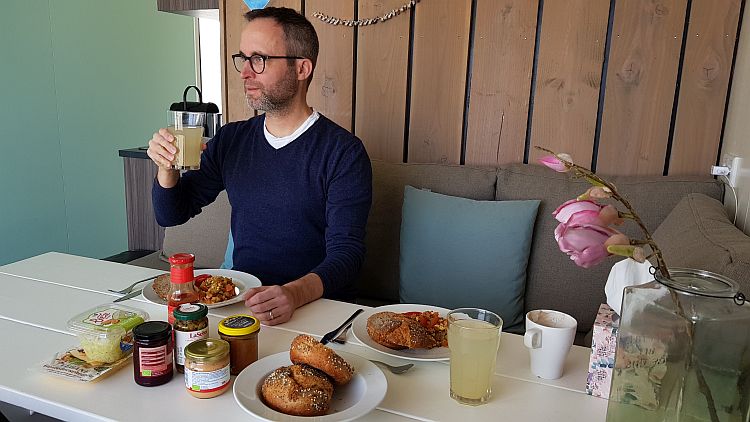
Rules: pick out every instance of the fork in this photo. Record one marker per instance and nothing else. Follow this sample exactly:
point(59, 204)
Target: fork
point(130, 288)
point(394, 369)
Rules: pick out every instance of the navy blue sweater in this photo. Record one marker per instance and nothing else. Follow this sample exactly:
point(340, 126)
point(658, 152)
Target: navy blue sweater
point(299, 209)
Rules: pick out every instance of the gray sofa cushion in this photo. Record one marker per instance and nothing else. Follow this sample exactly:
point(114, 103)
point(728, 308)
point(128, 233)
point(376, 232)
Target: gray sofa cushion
point(698, 234)
point(378, 279)
point(553, 280)
point(204, 235)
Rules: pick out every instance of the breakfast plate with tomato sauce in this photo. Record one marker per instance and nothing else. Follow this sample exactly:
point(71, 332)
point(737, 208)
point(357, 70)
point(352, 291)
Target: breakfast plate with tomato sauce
point(359, 329)
point(242, 282)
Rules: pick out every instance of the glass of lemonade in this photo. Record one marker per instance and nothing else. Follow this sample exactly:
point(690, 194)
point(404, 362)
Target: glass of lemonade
point(187, 129)
point(473, 339)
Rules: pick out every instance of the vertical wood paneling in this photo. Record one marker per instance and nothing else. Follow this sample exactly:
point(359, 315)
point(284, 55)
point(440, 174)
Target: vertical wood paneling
point(503, 53)
point(235, 106)
point(569, 72)
point(441, 35)
point(643, 64)
point(638, 103)
point(382, 62)
point(331, 88)
point(703, 88)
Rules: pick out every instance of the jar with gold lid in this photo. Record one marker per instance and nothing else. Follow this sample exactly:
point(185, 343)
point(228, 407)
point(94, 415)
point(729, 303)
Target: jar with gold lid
point(207, 368)
point(241, 331)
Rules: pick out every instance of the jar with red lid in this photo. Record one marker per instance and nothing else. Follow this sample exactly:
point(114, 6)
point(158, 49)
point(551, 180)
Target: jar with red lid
point(181, 287)
point(152, 353)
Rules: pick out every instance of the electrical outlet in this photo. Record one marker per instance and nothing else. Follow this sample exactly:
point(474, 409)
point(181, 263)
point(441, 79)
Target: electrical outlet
point(733, 162)
point(734, 171)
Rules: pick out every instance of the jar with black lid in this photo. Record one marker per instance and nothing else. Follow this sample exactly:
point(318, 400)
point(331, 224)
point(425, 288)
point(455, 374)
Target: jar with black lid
point(152, 353)
point(241, 331)
point(190, 324)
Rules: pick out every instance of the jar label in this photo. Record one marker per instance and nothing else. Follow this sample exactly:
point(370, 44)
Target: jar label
point(183, 338)
point(206, 381)
point(155, 361)
point(239, 321)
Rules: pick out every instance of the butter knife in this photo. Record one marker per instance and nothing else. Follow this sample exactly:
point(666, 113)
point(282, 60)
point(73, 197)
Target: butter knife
point(333, 334)
point(128, 296)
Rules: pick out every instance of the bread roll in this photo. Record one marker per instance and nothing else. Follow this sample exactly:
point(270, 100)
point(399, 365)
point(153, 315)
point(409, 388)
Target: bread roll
point(305, 349)
point(298, 390)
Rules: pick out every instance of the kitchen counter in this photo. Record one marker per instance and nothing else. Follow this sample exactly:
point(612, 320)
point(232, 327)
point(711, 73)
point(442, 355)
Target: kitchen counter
point(139, 152)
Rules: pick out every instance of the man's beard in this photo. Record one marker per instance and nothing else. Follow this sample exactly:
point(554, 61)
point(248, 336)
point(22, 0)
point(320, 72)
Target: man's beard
point(277, 97)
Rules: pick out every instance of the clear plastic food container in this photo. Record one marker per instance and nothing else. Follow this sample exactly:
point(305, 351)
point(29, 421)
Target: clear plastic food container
point(106, 332)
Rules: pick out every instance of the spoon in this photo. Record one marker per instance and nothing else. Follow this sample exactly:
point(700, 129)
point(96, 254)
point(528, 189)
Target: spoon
point(394, 369)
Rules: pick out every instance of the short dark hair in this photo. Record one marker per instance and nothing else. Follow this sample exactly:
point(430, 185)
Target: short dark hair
point(299, 34)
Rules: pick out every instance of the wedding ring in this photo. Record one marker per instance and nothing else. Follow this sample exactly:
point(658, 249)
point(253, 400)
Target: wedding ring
point(270, 314)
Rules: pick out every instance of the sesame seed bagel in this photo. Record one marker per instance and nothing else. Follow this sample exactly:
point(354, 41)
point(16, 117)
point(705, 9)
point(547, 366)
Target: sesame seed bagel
point(298, 390)
point(307, 350)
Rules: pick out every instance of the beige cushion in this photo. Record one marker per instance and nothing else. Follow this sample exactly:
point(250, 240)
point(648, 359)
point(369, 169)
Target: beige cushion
point(204, 235)
point(699, 234)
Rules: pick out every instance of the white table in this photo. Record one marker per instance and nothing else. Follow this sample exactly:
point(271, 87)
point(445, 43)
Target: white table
point(38, 296)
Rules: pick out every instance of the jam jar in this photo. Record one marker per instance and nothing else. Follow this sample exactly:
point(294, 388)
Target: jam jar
point(190, 324)
point(241, 331)
point(207, 368)
point(152, 353)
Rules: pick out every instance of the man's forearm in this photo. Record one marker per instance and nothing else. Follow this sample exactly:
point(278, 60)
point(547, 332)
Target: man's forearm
point(167, 178)
point(305, 289)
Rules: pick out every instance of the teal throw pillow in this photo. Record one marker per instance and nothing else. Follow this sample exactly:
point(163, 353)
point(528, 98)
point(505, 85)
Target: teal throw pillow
point(458, 252)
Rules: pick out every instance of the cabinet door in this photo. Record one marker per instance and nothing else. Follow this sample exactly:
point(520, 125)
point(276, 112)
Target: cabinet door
point(143, 231)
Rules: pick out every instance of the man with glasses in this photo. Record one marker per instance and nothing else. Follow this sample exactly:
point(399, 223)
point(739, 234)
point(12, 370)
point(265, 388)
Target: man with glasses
point(300, 186)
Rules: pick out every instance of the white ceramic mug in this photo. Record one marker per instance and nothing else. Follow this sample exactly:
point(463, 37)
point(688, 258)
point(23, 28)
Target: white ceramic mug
point(549, 336)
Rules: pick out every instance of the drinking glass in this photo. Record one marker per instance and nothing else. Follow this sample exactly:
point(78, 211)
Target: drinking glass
point(187, 129)
point(473, 340)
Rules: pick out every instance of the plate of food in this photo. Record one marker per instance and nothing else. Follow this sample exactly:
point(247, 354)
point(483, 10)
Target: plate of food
point(216, 287)
point(321, 391)
point(407, 331)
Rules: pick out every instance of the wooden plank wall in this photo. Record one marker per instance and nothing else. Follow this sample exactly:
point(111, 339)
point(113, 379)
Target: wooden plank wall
point(627, 86)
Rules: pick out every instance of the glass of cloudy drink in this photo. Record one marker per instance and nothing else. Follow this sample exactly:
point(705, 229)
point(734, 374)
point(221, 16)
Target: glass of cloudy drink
point(473, 339)
point(187, 129)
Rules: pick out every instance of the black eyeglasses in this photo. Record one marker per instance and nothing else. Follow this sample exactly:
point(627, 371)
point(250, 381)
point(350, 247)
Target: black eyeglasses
point(257, 61)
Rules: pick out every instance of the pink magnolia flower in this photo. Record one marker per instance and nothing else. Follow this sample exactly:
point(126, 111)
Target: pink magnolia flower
point(584, 243)
point(583, 211)
point(555, 163)
point(587, 212)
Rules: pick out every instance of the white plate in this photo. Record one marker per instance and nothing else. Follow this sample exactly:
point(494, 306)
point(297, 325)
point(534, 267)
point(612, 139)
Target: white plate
point(242, 281)
point(359, 329)
point(351, 401)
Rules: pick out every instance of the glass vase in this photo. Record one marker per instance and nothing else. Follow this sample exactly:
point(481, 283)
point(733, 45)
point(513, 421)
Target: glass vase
point(683, 351)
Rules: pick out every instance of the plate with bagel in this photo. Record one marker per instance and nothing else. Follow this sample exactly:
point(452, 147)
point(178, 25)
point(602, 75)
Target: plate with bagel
point(305, 383)
point(406, 331)
point(217, 287)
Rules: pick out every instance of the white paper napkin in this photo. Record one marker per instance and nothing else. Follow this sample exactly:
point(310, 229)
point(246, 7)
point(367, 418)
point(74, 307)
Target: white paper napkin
point(627, 272)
